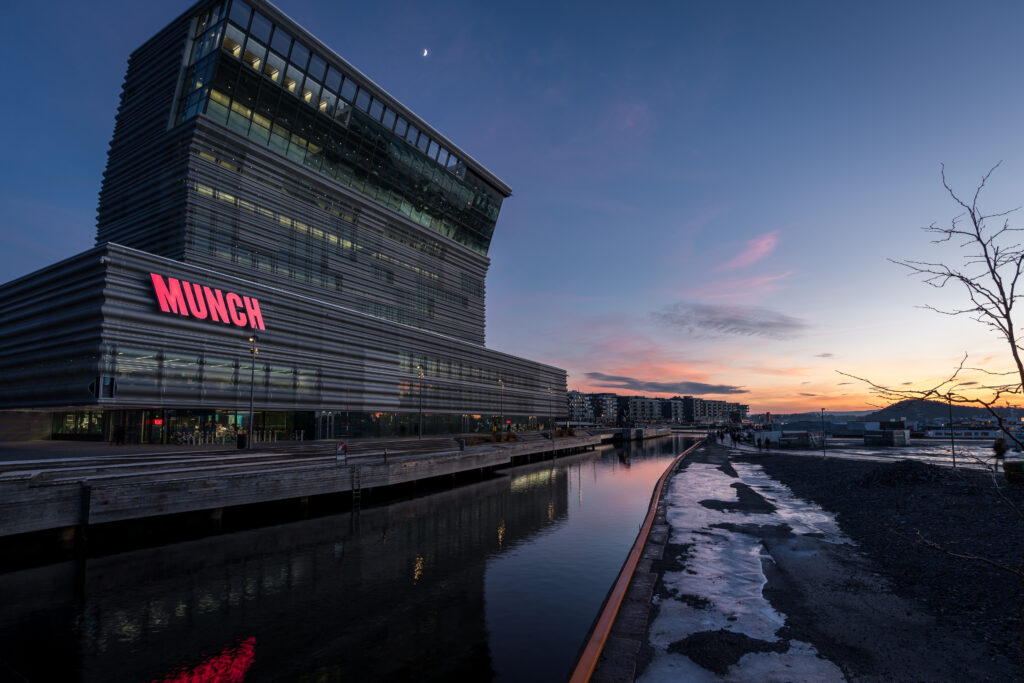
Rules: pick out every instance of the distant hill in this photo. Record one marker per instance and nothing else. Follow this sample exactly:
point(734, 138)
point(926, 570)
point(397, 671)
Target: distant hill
point(845, 416)
point(924, 411)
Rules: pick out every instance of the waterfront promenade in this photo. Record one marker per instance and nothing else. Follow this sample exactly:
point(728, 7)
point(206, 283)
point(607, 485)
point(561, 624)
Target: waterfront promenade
point(60, 486)
point(746, 577)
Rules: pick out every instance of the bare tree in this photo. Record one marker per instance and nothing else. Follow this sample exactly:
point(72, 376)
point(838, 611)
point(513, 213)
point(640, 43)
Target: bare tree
point(989, 272)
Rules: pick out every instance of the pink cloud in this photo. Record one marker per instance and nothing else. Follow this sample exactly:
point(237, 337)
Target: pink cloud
point(739, 289)
point(756, 249)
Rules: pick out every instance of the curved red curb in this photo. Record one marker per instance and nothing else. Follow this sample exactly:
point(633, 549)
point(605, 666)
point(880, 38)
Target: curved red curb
point(587, 661)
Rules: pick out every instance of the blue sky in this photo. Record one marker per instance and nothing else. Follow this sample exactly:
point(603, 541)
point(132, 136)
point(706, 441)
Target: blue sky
point(705, 194)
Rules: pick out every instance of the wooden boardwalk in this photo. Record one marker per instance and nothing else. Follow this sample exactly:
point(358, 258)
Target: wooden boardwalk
point(36, 495)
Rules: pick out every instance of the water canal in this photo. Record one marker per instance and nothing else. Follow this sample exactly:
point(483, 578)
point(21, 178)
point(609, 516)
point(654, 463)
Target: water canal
point(496, 580)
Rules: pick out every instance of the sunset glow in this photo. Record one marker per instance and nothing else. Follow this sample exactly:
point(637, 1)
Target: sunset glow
point(705, 196)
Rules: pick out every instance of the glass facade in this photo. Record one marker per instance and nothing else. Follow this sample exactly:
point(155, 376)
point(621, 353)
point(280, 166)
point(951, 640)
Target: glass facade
point(213, 427)
point(255, 78)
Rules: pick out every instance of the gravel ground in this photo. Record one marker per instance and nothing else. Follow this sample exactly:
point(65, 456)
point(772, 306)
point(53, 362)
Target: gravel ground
point(887, 509)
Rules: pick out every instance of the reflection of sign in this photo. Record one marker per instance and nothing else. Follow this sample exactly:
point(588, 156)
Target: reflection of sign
point(230, 666)
point(199, 301)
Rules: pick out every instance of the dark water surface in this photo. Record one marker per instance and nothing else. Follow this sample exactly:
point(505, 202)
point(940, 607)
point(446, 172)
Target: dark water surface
point(495, 580)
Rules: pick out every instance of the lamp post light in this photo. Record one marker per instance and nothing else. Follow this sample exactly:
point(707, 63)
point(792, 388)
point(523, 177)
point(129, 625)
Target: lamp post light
point(253, 340)
point(551, 411)
point(952, 440)
point(501, 411)
point(419, 371)
point(823, 432)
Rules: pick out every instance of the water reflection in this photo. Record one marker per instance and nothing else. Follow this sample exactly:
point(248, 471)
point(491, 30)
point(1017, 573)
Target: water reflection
point(495, 580)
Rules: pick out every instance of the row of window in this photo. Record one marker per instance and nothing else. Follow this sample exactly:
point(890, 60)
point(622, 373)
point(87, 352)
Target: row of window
point(269, 50)
point(331, 204)
point(272, 51)
point(341, 242)
point(141, 367)
point(393, 177)
point(212, 240)
point(290, 266)
point(447, 368)
point(297, 71)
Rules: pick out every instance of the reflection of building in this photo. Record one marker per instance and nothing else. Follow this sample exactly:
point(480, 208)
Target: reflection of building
point(257, 181)
point(395, 594)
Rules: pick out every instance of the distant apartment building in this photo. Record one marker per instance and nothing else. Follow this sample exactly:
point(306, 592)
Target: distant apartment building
point(625, 410)
point(673, 409)
point(711, 411)
point(579, 407)
point(605, 408)
point(644, 409)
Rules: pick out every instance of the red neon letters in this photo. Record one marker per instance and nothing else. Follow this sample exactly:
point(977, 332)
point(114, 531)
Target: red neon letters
point(199, 301)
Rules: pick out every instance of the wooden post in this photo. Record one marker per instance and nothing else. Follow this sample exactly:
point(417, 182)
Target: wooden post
point(83, 519)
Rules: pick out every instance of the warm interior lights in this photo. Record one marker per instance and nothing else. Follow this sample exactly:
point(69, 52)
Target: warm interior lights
point(232, 47)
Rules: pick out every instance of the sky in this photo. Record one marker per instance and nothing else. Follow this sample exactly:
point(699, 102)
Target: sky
point(705, 194)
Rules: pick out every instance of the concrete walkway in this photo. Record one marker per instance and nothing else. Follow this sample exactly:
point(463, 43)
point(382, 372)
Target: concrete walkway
point(57, 450)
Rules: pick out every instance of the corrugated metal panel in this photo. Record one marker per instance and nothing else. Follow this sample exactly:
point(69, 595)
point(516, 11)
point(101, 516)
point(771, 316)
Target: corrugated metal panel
point(314, 355)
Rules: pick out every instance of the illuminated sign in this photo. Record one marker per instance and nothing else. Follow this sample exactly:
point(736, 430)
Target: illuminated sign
point(199, 301)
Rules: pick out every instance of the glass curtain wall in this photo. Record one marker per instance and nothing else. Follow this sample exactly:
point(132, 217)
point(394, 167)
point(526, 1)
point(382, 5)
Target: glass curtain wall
point(254, 77)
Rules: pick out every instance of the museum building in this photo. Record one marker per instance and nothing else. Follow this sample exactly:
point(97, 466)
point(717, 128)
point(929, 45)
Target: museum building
point(260, 187)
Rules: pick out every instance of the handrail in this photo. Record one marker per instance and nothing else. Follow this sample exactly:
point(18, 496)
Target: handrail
point(587, 661)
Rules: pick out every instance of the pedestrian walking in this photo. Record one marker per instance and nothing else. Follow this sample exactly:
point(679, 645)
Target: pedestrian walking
point(999, 448)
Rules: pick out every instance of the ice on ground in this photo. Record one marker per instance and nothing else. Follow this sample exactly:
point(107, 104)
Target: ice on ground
point(800, 664)
point(802, 516)
point(721, 583)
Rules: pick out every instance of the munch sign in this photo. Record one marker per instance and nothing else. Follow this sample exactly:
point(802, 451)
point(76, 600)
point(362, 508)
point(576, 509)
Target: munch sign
point(199, 301)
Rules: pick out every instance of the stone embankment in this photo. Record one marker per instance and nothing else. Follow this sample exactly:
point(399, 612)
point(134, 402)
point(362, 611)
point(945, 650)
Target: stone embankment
point(59, 493)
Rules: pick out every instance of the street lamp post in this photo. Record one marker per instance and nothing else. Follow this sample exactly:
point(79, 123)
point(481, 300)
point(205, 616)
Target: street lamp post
point(823, 432)
point(501, 417)
point(253, 340)
point(551, 410)
point(952, 440)
point(419, 371)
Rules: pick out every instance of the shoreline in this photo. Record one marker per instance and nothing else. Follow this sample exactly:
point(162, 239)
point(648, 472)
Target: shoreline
point(946, 618)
